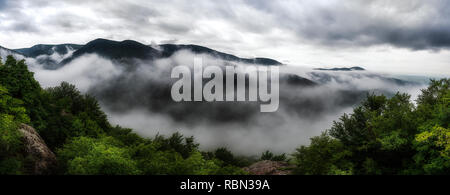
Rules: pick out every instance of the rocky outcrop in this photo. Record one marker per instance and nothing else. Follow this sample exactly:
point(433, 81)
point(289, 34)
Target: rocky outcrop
point(44, 160)
point(268, 167)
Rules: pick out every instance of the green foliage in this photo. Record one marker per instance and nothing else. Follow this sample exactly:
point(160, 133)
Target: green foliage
point(89, 156)
point(385, 136)
point(162, 156)
point(12, 106)
point(229, 159)
point(71, 114)
point(434, 151)
point(10, 137)
point(126, 136)
point(76, 128)
point(324, 156)
point(177, 143)
point(11, 166)
point(20, 83)
point(268, 155)
point(11, 146)
point(225, 155)
point(380, 131)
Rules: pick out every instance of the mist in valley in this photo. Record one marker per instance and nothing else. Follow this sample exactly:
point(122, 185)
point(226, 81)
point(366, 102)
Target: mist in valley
point(136, 95)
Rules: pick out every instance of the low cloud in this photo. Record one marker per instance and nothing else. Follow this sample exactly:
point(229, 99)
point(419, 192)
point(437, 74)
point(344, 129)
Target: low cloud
point(139, 98)
point(85, 72)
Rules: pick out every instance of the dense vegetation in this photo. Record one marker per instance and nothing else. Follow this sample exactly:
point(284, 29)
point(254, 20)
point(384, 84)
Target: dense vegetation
point(75, 128)
point(382, 136)
point(385, 136)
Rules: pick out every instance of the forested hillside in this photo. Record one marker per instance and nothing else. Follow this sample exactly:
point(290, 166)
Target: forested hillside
point(382, 136)
point(386, 136)
point(75, 128)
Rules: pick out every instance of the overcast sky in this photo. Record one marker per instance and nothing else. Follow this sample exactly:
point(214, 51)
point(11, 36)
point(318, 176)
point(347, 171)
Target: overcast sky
point(401, 36)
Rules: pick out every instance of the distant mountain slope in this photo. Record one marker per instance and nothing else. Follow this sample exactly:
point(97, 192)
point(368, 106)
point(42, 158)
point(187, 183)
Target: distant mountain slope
point(296, 80)
point(4, 52)
point(132, 49)
point(356, 68)
point(38, 50)
point(116, 50)
point(327, 77)
point(169, 49)
point(49, 56)
point(55, 56)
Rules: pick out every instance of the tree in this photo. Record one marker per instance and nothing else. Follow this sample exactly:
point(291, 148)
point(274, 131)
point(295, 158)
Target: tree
point(73, 125)
point(324, 156)
point(177, 143)
point(89, 156)
point(71, 114)
point(379, 133)
point(267, 155)
point(11, 146)
point(385, 136)
point(20, 83)
point(225, 155)
point(433, 148)
point(153, 161)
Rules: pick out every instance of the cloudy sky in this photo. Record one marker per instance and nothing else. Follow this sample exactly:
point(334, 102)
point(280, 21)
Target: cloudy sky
point(402, 36)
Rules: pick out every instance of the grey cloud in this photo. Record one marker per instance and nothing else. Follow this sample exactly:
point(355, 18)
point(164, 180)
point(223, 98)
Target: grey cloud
point(174, 28)
point(15, 19)
point(412, 24)
point(68, 22)
point(416, 25)
point(23, 26)
point(2, 4)
point(169, 41)
point(132, 13)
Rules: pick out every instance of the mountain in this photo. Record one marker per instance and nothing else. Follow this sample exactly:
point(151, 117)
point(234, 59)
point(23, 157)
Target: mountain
point(4, 52)
point(296, 80)
point(356, 68)
point(328, 77)
point(41, 49)
point(55, 56)
point(49, 55)
point(169, 49)
point(116, 50)
point(131, 49)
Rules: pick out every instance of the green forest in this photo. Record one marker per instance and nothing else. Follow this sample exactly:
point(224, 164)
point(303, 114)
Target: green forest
point(383, 136)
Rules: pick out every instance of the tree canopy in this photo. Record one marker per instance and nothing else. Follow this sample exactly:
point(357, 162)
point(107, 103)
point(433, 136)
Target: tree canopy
point(387, 136)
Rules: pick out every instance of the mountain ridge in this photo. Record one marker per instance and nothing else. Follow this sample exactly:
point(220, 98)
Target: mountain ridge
point(115, 50)
point(4, 52)
point(354, 68)
point(169, 49)
point(129, 49)
point(47, 49)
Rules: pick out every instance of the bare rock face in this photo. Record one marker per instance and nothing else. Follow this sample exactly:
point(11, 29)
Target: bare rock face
point(43, 158)
point(268, 167)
